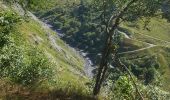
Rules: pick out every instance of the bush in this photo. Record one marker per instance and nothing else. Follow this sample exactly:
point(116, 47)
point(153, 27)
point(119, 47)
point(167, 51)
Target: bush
point(8, 21)
point(123, 88)
point(37, 68)
point(21, 65)
point(24, 67)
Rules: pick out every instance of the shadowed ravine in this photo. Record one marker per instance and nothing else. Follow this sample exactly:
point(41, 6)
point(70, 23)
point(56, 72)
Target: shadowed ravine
point(88, 65)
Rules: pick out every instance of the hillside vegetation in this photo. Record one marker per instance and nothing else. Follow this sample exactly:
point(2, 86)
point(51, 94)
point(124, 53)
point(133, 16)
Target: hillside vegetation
point(39, 61)
point(36, 62)
point(81, 29)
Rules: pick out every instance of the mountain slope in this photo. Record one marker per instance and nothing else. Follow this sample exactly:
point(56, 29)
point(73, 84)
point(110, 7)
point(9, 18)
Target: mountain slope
point(146, 50)
point(67, 65)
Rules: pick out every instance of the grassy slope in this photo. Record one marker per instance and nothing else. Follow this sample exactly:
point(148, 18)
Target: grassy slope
point(68, 68)
point(158, 34)
point(34, 32)
point(158, 28)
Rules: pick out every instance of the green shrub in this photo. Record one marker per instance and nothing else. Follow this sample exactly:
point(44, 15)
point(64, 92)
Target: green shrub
point(24, 66)
point(37, 68)
point(123, 88)
point(8, 21)
point(21, 65)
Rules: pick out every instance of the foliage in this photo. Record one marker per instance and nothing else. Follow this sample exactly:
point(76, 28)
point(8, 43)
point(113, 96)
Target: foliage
point(145, 68)
point(123, 88)
point(79, 24)
point(26, 64)
point(8, 21)
point(24, 67)
point(82, 25)
point(20, 65)
point(123, 11)
point(34, 5)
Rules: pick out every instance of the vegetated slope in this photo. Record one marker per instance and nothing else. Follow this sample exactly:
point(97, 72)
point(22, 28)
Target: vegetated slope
point(35, 39)
point(157, 34)
point(146, 51)
point(75, 19)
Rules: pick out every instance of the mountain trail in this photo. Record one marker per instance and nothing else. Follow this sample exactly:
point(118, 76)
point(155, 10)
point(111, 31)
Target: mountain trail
point(145, 48)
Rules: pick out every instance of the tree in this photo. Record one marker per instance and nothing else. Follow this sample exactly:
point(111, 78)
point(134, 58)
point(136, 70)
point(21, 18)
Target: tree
point(113, 13)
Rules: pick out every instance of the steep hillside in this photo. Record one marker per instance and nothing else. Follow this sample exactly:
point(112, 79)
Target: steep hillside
point(67, 76)
point(139, 42)
point(54, 53)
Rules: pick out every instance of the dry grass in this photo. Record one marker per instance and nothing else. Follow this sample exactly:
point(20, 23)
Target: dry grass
point(11, 91)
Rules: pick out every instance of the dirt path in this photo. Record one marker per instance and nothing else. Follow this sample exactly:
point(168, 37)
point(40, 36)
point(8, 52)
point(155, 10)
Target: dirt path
point(151, 46)
point(154, 38)
point(145, 48)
